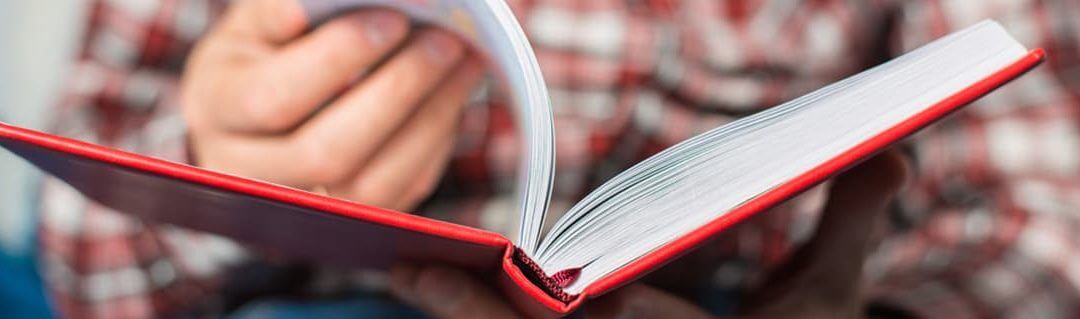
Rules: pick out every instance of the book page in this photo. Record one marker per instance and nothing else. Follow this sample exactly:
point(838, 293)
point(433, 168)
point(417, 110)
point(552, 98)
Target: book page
point(699, 180)
point(492, 28)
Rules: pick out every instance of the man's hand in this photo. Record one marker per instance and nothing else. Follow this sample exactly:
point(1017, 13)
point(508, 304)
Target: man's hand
point(363, 106)
point(821, 280)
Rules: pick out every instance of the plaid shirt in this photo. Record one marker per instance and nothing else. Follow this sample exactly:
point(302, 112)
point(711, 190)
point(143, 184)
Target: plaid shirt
point(989, 228)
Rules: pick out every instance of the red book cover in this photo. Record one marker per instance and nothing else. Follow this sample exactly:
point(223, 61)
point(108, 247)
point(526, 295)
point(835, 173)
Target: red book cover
point(328, 230)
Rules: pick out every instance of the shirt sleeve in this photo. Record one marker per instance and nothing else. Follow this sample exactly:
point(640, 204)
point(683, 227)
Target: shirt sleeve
point(993, 212)
point(122, 93)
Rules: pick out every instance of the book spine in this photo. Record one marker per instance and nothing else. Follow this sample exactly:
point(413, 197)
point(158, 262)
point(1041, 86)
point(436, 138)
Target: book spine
point(553, 285)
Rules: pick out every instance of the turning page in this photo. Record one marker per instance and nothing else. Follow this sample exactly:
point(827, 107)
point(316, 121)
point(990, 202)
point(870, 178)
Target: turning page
point(492, 28)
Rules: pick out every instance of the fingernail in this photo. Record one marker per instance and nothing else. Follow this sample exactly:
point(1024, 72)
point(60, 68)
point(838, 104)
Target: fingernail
point(443, 288)
point(442, 48)
point(384, 28)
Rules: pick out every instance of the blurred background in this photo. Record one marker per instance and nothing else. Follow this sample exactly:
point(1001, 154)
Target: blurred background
point(37, 41)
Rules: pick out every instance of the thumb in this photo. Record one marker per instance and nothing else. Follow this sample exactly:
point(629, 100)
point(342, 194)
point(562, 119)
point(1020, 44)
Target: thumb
point(824, 275)
point(641, 301)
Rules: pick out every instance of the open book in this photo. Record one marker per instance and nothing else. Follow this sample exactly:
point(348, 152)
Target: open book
point(634, 223)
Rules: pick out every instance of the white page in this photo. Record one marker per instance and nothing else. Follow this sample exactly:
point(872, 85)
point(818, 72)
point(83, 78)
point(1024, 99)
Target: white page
point(699, 180)
point(491, 26)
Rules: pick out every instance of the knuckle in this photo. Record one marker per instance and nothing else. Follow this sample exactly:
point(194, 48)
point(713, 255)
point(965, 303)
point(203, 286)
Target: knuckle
point(423, 190)
point(259, 107)
point(329, 51)
point(318, 163)
point(199, 153)
point(373, 193)
point(191, 113)
point(420, 191)
point(339, 54)
point(195, 100)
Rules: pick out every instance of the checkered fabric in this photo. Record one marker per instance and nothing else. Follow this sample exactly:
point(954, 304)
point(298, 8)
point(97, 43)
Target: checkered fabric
point(989, 228)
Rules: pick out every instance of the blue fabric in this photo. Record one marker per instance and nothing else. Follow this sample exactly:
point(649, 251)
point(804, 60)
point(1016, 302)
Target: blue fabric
point(21, 291)
point(719, 301)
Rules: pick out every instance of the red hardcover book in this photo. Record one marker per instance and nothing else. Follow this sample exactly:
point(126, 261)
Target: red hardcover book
point(334, 231)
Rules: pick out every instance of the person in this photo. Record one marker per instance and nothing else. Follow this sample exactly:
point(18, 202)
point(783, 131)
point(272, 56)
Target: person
point(370, 108)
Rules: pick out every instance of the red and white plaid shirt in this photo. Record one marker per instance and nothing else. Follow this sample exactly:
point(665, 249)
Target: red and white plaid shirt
point(990, 228)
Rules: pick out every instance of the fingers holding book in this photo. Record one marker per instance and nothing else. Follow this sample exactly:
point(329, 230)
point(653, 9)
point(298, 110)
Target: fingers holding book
point(320, 109)
point(406, 169)
point(824, 276)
